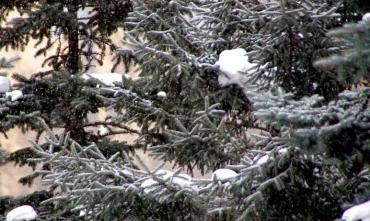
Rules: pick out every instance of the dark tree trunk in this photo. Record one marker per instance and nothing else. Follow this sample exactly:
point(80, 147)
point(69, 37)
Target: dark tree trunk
point(73, 59)
point(77, 132)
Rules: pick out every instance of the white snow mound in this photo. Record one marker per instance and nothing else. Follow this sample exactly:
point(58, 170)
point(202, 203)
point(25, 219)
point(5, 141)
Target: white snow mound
point(366, 17)
point(22, 213)
point(223, 174)
point(162, 94)
point(4, 84)
point(14, 95)
point(358, 212)
point(234, 64)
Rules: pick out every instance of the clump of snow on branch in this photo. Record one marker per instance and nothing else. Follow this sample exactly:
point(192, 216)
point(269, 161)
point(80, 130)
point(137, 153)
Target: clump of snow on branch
point(182, 180)
point(265, 158)
point(14, 95)
point(234, 67)
point(164, 174)
point(366, 17)
point(162, 94)
point(4, 84)
point(358, 212)
point(82, 213)
point(223, 174)
point(22, 213)
point(148, 185)
point(103, 130)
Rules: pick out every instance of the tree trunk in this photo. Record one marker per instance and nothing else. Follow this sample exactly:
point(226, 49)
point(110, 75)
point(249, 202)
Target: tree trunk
point(73, 60)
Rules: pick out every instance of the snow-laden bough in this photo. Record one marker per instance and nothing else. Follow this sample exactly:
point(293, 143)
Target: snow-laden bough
point(223, 174)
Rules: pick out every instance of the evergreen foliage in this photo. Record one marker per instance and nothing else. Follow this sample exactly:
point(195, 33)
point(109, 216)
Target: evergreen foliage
point(54, 22)
point(78, 42)
point(353, 63)
point(282, 38)
point(73, 36)
point(305, 159)
point(4, 63)
point(172, 60)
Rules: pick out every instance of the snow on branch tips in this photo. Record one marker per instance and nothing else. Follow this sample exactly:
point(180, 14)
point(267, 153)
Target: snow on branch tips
point(108, 79)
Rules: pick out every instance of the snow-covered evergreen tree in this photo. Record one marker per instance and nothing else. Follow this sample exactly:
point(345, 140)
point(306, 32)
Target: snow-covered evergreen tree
point(84, 25)
point(282, 38)
point(353, 63)
point(79, 32)
point(200, 103)
point(177, 102)
point(73, 36)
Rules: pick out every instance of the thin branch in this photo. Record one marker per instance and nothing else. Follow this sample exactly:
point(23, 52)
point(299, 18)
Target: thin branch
point(113, 124)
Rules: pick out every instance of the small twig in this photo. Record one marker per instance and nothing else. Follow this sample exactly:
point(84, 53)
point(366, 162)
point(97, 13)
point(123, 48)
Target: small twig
point(126, 128)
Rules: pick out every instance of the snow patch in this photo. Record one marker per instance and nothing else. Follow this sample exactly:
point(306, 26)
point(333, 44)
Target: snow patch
point(223, 174)
point(283, 151)
point(366, 17)
point(82, 213)
point(358, 212)
point(106, 78)
point(84, 15)
point(234, 65)
point(162, 94)
point(265, 158)
point(22, 213)
point(103, 130)
point(315, 85)
point(126, 172)
point(262, 160)
point(183, 180)
point(164, 174)
point(14, 95)
point(4, 84)
point(148, 185)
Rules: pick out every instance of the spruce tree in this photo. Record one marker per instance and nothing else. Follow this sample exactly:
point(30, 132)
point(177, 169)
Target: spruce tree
point(84, 25)
point(4, 64)
point(282, 38)
point(73, 36)
point(306, 158)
